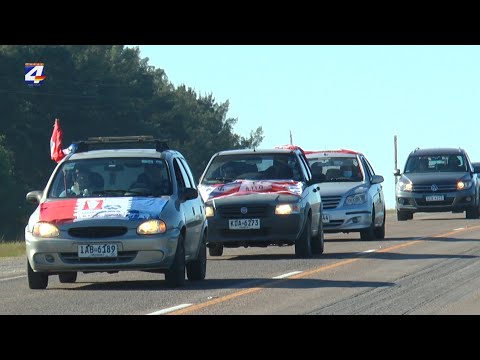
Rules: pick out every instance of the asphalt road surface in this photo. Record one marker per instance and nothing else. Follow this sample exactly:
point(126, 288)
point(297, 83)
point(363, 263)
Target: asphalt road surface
point(429, 265)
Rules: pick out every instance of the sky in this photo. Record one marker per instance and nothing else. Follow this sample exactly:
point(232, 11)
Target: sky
point(340, 96)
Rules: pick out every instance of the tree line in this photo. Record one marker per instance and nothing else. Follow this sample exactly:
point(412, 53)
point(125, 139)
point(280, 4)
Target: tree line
point(96, 91)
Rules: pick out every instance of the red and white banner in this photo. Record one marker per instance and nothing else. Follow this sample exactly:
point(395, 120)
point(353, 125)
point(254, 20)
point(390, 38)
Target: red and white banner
point(248, 187)
point(56, 152)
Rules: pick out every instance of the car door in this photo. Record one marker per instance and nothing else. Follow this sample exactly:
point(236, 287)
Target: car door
point(192, 209)
point(375, 191)
point(312, 192)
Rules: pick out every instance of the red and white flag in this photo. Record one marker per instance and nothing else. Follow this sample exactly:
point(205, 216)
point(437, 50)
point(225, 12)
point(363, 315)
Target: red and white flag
point(56, 152)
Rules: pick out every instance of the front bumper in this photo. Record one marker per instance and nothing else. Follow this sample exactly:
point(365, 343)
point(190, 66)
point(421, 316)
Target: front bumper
point(135, 252)
point(456, 201)
point(274, 230)
point(351, 219)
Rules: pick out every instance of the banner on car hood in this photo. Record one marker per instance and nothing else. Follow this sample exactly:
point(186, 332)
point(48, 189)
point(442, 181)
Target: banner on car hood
point(129, 208)
point(248, 187)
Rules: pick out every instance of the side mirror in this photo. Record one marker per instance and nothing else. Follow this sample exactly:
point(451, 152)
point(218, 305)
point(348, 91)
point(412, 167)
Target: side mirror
point(189, 194)
point(476, 169)
point(34, 197)
point(397, 172)
point(377, 179)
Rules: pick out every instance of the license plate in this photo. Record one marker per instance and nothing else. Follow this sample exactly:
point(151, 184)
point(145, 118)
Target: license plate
point(243, 224)
point(434, 198)
point(325, 218)
point(97, 250)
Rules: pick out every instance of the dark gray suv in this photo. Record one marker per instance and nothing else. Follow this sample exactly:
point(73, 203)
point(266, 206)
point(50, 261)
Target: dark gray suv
point(437, 180)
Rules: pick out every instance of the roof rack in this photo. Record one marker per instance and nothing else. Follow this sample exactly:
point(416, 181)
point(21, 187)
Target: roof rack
point(120, 142)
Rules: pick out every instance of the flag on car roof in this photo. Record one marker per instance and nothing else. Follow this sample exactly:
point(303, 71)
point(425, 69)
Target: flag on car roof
point(56, 152)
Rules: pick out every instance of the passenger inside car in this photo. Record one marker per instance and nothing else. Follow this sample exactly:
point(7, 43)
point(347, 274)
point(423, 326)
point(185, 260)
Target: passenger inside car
point(317, 171)
point(82, 183)
point(153, 179)
point(454, 164)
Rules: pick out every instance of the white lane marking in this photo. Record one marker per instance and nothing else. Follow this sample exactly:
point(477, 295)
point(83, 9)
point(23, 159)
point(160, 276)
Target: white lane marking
point(458, 229)
point(287, 275)
point(369, 251)
point(14, 277)
point(170, 309)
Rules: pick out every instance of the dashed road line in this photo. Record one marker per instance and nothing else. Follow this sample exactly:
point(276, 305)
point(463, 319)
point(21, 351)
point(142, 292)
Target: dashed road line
point(170, 309)
point(287, 275)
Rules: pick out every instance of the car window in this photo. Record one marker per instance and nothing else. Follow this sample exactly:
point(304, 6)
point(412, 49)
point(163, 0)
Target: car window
point(275, 166)
point(182, 178)
point(436, 163)
point(187, 172)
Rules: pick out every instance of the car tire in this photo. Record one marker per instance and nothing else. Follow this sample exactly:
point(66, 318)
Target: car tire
point(197, 269)
point(36, 280)
point(318, 241)
point(369, 233)
point(472, 213)
point(215, 249)
point(175, 276)
point(403, 215)
point(67, 277)
point(303, 245)
point(380, 232)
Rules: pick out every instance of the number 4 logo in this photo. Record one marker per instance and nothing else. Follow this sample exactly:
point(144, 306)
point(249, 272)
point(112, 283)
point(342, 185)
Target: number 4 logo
point(33, 73)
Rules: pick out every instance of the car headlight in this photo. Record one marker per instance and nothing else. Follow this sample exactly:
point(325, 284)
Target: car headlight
point(209, 211)
point(151, 227)
point(45, 229)
point(402, 186)
point(356, 199)
point(464, 185)
point(287, 209)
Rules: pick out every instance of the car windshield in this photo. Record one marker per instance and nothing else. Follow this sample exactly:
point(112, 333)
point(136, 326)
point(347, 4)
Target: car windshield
point(435, 163)
point(336, 169)
point(111, 177)
point(228, 168)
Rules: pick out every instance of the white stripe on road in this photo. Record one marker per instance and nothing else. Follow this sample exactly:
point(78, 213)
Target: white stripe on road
point(170, 309)
point(369, 251)
point(458, 229)
point(287, 275)
point(12, 278)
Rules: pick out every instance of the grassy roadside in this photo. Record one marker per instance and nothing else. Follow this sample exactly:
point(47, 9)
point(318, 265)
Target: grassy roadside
point(11, 249)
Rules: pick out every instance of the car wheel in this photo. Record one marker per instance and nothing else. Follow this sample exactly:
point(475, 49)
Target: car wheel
point(197, 269)
point(36, 280)
point(215, 249)
point(472, 213)
point(68, 277)
point(175, 276)
point(303, 245)
point(318, 240)
point(380, 232)
point(403, 215)
point(369, 233)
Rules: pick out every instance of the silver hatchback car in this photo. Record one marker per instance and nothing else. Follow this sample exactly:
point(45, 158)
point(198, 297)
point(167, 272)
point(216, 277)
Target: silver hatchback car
point(114, 205)
point(352, 193)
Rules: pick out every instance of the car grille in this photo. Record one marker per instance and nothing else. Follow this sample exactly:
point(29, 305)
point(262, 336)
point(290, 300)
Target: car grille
point(428, 188)
point(123, 257)
point(331, 202)
point(97, 232)
point(253, 211)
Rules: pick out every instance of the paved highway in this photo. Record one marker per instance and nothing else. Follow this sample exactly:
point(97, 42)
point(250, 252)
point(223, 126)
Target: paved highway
point(425, 266)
